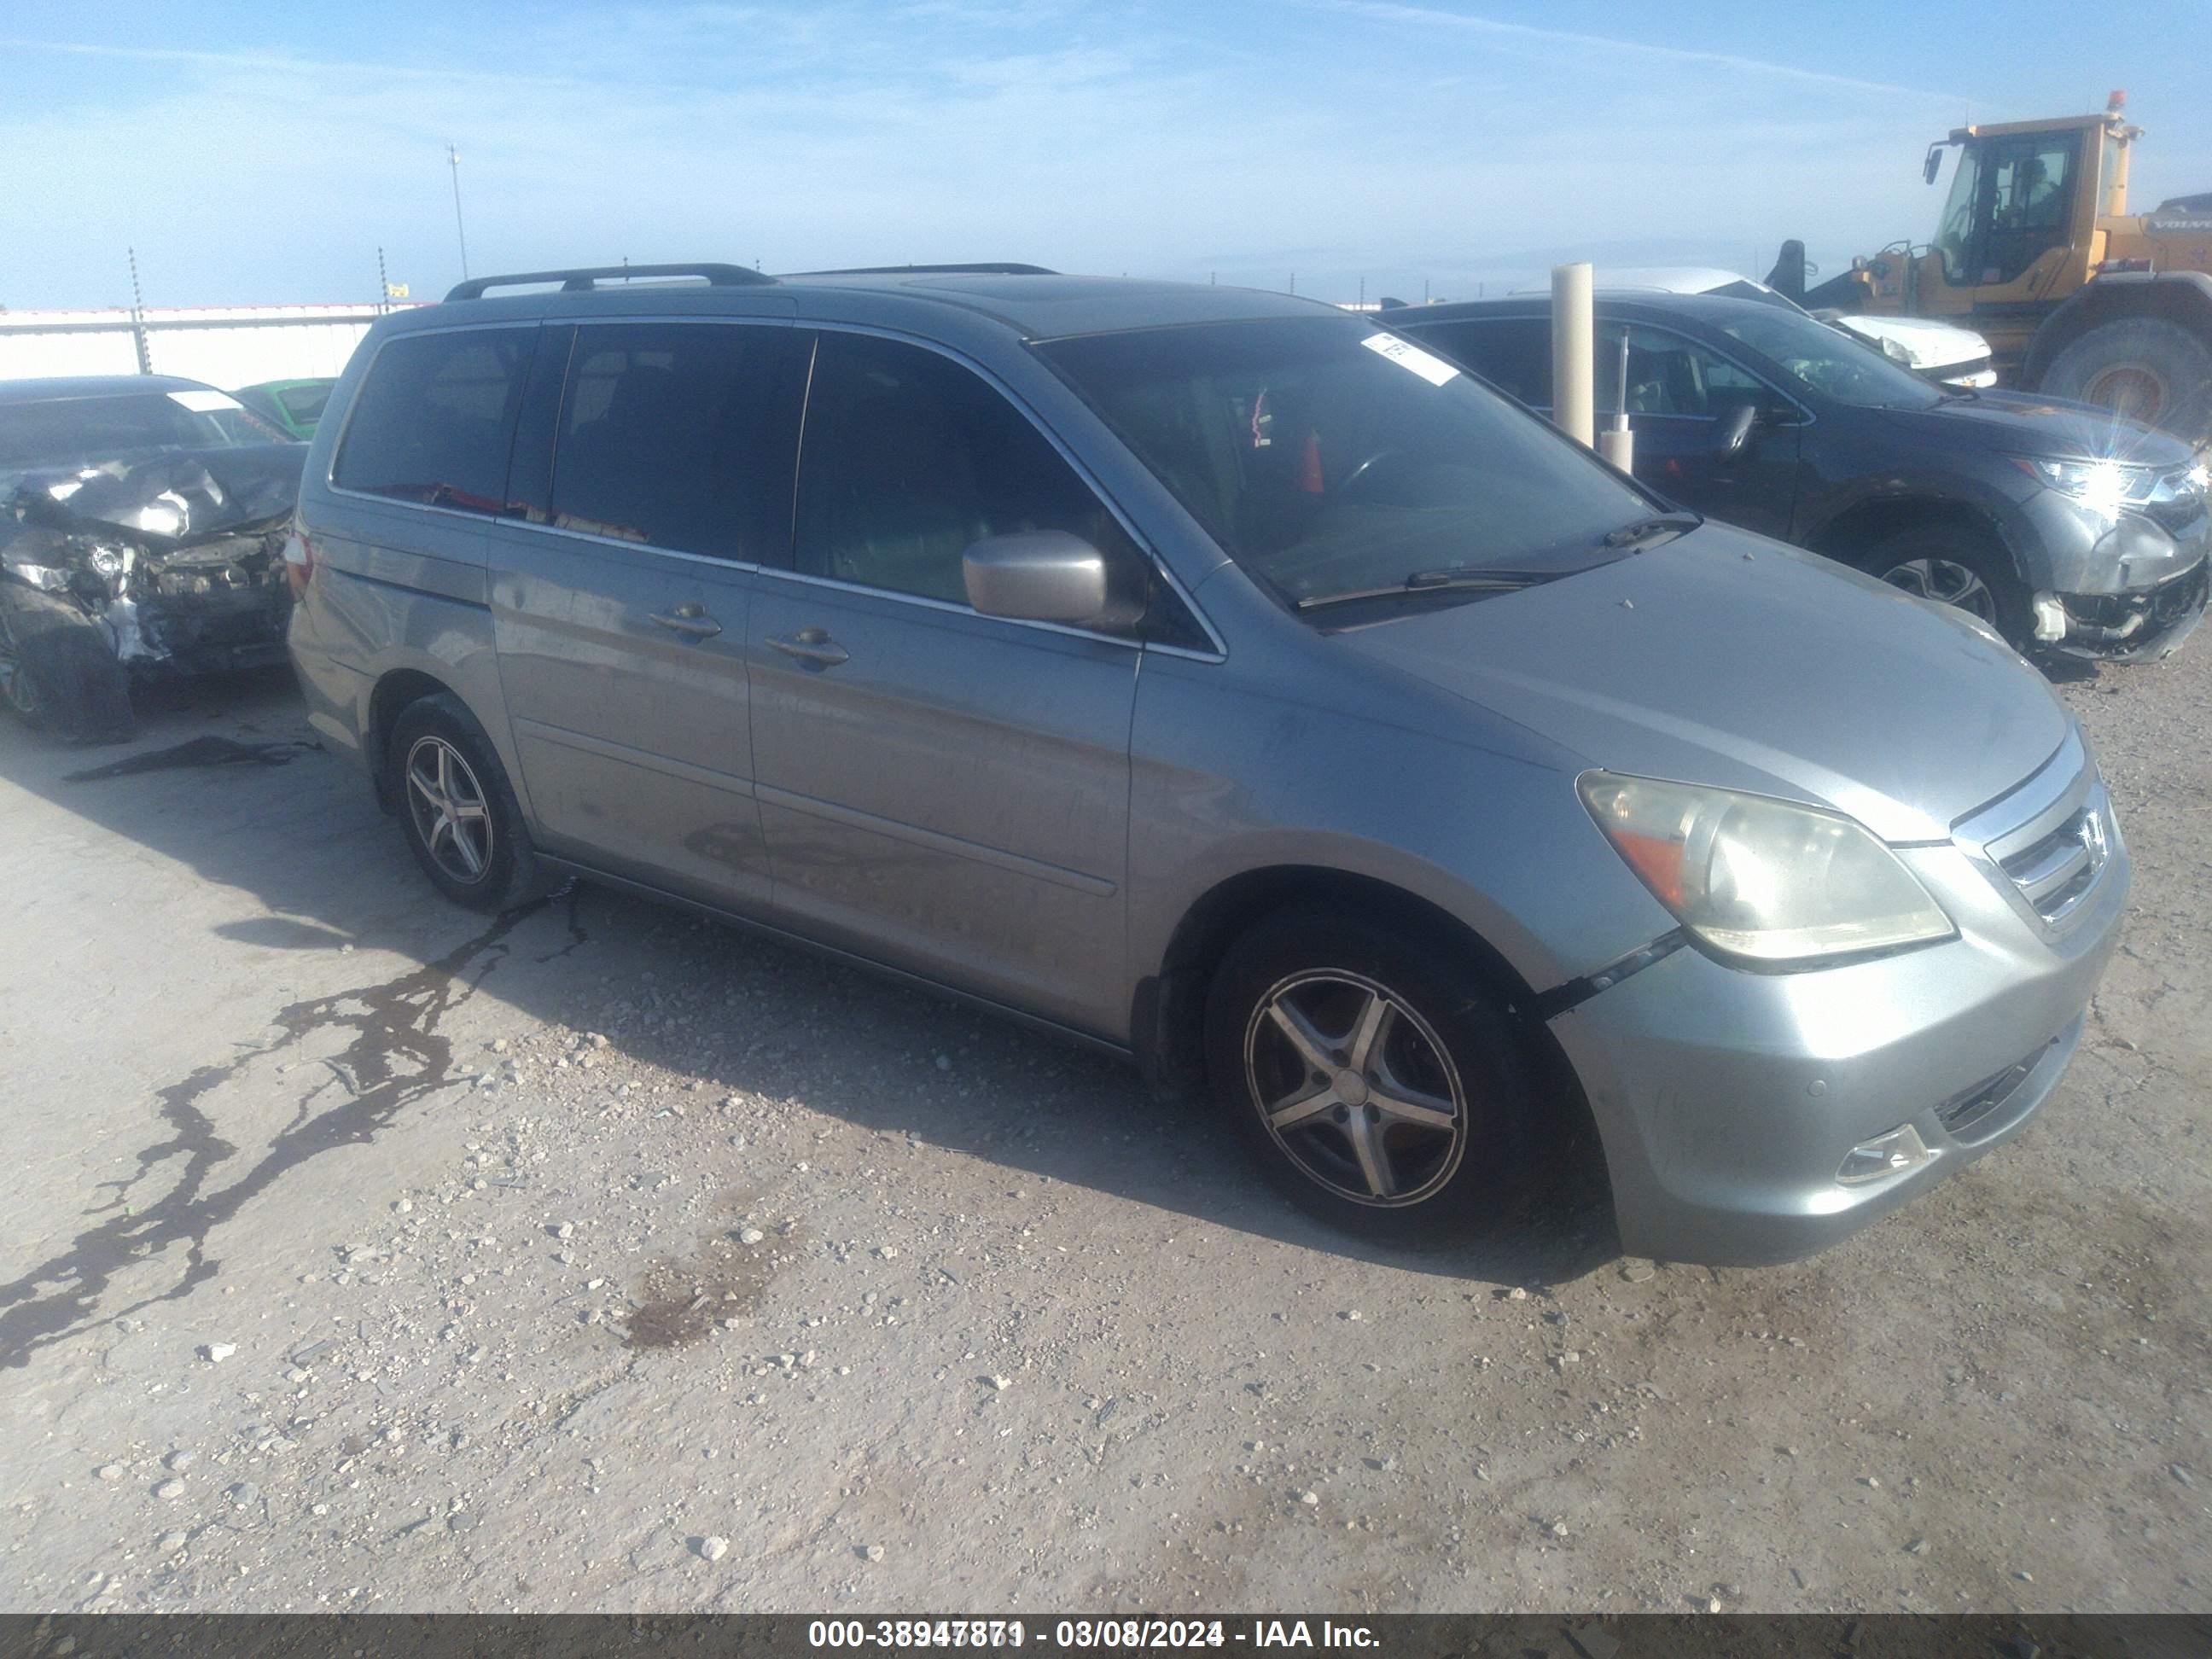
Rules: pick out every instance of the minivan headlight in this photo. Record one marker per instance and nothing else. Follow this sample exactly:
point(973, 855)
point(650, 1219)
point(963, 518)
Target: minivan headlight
point(1767, 880)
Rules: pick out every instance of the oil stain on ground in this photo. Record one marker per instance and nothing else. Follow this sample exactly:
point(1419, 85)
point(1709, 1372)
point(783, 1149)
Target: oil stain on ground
point(196, 752)
point(395, 1057)
point(681, 1302)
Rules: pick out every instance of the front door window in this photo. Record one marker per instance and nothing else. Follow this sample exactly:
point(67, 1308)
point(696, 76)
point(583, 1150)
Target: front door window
point(2030, 195)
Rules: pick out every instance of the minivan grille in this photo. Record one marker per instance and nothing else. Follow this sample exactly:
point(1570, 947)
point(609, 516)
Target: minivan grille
point(2053, 873)
point(2049, 842)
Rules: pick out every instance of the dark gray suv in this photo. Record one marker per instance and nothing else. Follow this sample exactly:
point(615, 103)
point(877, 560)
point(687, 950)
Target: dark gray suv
point(2068, 527)
point(1232, 685)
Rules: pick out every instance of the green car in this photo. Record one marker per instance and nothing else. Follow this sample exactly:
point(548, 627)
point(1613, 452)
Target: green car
point(294, 405)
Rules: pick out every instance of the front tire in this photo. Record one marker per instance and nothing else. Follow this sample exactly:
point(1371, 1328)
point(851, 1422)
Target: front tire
point(62, 677)
point(1374, 1079)
point(1953, 565)
point(2146, 368)
point(461, 819)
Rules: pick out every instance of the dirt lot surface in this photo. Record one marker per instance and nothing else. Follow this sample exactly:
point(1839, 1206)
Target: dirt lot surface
point(362, 1255)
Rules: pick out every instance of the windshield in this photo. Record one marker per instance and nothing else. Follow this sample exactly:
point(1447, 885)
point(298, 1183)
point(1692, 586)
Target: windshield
point(1330, 458)
point(1822, 360)
point(66, 431)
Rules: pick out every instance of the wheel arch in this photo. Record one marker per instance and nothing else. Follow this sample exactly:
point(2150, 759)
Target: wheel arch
point(2176, 296)
point(387, 700)
point(1168, 1016)
point(1874, 518)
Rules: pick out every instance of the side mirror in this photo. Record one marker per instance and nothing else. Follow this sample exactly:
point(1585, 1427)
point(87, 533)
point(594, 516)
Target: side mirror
point(1037, 576)
point(1933, 164)
point(1732, 431)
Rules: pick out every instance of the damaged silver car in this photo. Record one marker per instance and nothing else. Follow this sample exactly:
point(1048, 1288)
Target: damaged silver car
point(142, 526)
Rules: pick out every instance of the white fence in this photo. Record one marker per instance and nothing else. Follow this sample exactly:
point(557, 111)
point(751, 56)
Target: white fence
point(226, 346)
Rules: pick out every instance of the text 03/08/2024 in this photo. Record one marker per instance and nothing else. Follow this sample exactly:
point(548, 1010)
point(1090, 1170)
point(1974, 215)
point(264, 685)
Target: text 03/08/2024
point(1085, 1633)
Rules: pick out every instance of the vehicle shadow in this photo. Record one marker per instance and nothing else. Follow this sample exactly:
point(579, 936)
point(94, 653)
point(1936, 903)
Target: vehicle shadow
point(225, 780)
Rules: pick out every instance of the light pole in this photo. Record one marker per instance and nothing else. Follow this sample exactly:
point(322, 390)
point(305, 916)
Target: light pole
point(454, 160)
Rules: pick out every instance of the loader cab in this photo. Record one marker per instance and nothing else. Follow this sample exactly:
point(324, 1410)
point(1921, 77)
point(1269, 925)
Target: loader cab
point(2019, 224)
point(2010, 206)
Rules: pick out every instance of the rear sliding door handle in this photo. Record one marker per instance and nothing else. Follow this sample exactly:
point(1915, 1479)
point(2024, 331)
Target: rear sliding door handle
point(688, 618)
point(812, 645)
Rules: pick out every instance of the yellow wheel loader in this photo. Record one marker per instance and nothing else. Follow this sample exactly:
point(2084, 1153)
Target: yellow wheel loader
point(2037, 251)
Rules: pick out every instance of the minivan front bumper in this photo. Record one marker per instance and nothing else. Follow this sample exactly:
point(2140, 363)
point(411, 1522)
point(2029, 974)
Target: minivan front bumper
point(1727, 1102)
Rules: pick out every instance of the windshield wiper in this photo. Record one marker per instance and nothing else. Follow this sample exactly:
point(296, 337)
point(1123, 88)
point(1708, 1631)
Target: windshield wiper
point(1644, 530)
point(1437, 581)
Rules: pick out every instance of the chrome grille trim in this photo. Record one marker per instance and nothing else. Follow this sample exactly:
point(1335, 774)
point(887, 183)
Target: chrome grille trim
point(2045, 845)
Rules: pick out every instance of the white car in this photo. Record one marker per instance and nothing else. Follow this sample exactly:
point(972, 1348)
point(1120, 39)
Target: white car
point(1955, 356)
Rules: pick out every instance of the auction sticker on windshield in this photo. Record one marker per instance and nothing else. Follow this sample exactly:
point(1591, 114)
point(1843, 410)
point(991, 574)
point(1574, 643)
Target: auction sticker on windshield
point(1433, 370)
point(204, 403)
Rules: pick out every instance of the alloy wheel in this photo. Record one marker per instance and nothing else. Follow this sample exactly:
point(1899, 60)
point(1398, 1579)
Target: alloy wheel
point(1355, 1088)
point(1947, 582)
point(448, 805)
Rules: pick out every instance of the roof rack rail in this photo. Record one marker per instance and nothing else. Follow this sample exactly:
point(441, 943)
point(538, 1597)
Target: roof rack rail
point(583, 281)
point(982, 269)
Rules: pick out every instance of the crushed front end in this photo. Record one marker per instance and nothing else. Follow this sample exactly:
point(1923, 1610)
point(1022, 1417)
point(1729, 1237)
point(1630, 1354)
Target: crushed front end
point(2131, 549)
point(2143, 626)
point(173, 560)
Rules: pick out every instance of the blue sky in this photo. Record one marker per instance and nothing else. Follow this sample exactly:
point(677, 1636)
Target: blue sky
point(263, 154)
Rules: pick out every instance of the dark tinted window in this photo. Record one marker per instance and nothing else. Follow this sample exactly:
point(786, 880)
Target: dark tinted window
point(437, 418)
point(1668, 375)
point(680, 435)
point(1514, 353)
point(909, 459)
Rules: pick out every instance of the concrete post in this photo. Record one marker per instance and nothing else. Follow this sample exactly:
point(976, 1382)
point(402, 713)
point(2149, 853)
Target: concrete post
point(1571, 362)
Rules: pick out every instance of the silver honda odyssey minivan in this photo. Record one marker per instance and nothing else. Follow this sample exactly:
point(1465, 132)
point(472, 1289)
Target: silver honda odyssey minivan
point(1231, 685)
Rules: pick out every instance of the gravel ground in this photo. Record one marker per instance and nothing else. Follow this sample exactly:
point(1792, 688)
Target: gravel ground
point(365, 1256)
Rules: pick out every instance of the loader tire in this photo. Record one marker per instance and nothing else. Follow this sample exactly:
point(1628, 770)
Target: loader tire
point(2147, 368)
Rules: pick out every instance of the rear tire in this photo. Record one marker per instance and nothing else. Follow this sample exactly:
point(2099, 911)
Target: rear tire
point(2144, 368)
point(459, 811)
point(1954, 564)
point(1377, 1079)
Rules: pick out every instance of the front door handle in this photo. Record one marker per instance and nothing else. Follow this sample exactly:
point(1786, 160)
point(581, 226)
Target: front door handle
point(690, 618)
point(812, 645)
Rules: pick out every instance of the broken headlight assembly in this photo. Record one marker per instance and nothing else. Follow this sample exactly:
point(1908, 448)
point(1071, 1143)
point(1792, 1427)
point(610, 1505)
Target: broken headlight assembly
point(1767, 882)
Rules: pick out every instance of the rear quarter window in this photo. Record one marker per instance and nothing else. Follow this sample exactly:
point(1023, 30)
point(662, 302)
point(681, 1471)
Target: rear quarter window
point(434, 422)
point(1514, 353)
point(681, 435)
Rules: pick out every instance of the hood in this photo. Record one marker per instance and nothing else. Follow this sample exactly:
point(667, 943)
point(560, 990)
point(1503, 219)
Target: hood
point(1930, 344)
point(1725, 659)
point(2021, 424)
